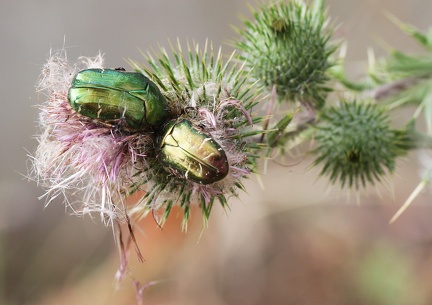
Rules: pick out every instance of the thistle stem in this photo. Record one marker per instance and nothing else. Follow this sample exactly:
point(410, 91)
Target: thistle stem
point(410, 199)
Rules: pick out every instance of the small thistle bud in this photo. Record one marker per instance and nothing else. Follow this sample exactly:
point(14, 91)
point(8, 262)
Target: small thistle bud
point(287, 46)
point(356, 144)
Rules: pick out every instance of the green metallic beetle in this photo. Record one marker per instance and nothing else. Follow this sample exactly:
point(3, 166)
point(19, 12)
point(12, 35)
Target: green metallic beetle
point(191, 153)
point(118, 96)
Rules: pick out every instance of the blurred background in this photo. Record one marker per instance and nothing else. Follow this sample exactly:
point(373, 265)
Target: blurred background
point(296, 241)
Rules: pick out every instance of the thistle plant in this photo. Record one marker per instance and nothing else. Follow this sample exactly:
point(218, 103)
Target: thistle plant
point(105, 163)
point(288, 51)
point(184, 129)
point(406, 80)
point(395, 82)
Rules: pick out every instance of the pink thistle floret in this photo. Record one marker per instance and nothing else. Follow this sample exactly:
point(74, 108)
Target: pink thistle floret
point(214, 121)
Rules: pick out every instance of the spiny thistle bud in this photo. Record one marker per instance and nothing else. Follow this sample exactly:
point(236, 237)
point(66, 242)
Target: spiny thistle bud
point(356, 144)
point(287, 46)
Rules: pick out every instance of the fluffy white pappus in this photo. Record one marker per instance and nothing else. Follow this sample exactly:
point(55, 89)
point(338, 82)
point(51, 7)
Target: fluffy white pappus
point(84, 161)
point(57, 73)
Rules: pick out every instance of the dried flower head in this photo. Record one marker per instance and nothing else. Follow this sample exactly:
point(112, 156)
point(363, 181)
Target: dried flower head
point(96, 164)
point(90, 163)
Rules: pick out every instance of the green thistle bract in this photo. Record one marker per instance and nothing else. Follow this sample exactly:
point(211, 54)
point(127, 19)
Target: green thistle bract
point(287, 46)
point(356, 145)
point(212, 96)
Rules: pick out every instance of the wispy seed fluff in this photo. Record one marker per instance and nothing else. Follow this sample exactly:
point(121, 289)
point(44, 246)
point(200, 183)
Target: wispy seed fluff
point(86, 162)
point(95, 166)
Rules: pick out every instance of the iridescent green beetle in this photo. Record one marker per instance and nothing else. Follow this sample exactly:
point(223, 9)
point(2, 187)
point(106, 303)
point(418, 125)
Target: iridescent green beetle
point(190, 152)
point(115, 95)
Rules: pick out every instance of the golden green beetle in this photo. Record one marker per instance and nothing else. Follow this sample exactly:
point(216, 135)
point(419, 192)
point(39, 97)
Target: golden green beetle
point(115, 95)
point(188, 151)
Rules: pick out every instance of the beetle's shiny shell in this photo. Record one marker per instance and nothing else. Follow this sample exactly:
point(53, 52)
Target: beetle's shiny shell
point(192, 153)
point(110, 95)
